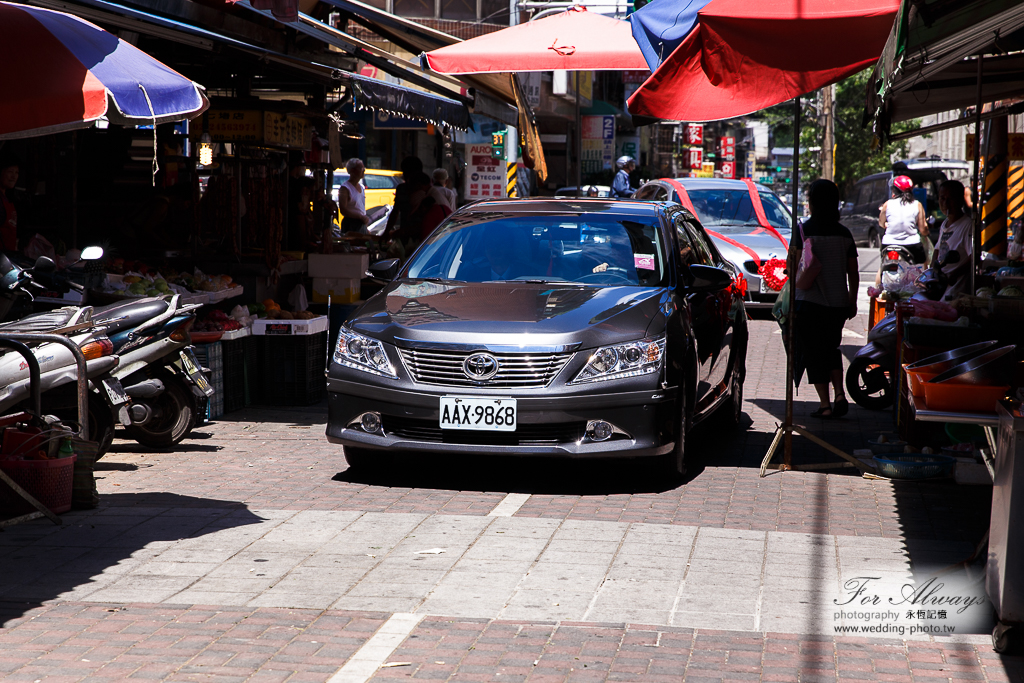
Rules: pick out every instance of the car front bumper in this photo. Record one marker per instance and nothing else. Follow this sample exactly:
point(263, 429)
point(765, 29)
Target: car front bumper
point(549, 426)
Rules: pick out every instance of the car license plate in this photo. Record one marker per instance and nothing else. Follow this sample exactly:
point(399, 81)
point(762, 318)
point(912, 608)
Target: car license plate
point(195, 373)
point(115, 391)
point(485, 414)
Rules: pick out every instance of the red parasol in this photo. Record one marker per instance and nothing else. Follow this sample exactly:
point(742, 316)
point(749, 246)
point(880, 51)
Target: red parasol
point(745, 55)
point(576, 40)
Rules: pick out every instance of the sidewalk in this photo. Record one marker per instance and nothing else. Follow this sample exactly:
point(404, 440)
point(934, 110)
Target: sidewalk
point(252, 553)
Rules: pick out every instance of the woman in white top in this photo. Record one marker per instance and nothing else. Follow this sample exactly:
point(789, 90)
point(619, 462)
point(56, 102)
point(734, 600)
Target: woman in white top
point(352, 198)
point(902, 219)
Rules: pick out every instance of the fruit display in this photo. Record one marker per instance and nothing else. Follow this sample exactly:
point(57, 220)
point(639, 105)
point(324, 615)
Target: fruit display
point(217, 321)
point(1011, 291)
point(144, 281)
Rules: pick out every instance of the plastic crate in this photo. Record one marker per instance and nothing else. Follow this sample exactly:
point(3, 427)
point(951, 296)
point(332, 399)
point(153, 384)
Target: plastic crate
point(241, 365)
point(48, 481)
point(292, 369)
point(914, 466)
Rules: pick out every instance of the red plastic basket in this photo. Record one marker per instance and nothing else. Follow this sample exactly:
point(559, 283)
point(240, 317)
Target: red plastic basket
point(49, 481)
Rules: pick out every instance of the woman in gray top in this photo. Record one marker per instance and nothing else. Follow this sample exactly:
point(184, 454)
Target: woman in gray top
point(823, 308)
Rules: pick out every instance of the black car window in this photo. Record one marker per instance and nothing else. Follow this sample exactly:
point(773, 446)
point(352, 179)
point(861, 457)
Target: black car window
point(652, 192)
point(775, 211)
point(692, 246)
point(879, 193)
point(590, 248)
point(863, 194)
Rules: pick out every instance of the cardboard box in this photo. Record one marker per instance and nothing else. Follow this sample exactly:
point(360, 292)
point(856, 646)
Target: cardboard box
point(351, 266)
point(340, 290)
point(269, 328)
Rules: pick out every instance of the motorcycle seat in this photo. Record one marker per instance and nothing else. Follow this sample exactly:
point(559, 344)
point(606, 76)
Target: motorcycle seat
point(127, 314)
point(40, 322)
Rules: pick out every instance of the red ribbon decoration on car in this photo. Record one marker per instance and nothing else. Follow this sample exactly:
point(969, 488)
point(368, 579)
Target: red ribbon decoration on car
point(685, 201)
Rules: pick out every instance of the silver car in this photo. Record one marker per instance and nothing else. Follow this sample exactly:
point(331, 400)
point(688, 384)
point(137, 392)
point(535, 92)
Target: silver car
point(756, 247)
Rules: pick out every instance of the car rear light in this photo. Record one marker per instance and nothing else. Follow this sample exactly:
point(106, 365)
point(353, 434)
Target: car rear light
point(893, 255)
point(181, 333)
point(98, 348)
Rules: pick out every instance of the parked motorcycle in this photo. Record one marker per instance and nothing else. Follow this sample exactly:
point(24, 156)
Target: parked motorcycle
point(869, 377)
point(158, 368)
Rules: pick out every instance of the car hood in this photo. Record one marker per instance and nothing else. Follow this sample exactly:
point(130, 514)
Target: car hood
point(764, 244)
point(504, 314)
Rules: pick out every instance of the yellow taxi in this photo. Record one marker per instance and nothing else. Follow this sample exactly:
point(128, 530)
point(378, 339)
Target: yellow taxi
point(380, 186)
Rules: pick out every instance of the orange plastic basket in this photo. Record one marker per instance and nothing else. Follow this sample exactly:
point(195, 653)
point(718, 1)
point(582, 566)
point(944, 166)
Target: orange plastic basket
point(962, 398)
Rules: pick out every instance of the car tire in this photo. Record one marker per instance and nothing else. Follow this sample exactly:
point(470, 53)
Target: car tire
point(673, 463)
point(733, 409)
point(366, 459)
point(873, 240)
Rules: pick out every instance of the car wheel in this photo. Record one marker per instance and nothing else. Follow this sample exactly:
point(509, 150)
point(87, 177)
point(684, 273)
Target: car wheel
point(365, 459)
point(873, 241)
point(673, 463)
point(733, 410)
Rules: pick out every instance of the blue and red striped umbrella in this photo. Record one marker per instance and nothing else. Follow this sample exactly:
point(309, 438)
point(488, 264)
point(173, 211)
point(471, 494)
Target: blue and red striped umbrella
point(61, 72)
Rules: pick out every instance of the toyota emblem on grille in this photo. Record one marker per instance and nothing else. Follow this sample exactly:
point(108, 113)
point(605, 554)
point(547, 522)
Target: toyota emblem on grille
point(480, 367)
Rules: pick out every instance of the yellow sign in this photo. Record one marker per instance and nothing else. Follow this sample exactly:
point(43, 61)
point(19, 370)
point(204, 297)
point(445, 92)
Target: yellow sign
point(1014, 147)
point(286, 130)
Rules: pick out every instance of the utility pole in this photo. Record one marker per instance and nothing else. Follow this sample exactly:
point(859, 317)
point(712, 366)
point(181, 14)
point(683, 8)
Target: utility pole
point(828, 144)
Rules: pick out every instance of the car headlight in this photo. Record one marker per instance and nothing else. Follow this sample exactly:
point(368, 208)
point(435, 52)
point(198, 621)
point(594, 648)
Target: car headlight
point(362, 353)
point(623, 360)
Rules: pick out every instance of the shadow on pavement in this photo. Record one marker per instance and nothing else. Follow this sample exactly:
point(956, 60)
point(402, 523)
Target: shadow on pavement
point(523, 474)
point(41, 562)
point(298, 415)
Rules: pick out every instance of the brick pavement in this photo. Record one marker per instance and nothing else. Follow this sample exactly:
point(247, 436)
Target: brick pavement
point(91, 642)
point(280, 460)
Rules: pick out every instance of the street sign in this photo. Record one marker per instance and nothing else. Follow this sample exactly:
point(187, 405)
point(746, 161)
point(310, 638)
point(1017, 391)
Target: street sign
point(598, 139)
point(727, 146)
point(728, 169)
point(485, 175)
point(694, 134)
point(694, 158)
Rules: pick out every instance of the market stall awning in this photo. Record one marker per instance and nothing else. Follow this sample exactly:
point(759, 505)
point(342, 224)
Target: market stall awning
point(741, 56)
point(929, 63)
point(576, 40)
point(420, 106)
point(369, 93)
point(62, 72)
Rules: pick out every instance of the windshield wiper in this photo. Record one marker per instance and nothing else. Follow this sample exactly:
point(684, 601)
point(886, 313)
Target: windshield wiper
point(438, 279)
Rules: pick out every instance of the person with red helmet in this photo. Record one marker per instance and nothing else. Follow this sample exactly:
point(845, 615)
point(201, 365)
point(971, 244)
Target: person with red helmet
point(903, 220)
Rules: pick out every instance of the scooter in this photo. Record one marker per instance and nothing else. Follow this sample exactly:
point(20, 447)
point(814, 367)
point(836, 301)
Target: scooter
point(158, 368)
point(869, 377)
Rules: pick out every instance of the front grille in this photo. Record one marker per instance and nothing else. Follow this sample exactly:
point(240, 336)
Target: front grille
point(515, 370)
point(525, 434)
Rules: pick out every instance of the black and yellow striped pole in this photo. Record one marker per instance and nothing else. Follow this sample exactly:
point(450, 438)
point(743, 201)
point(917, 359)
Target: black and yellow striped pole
point(1015, 193)
point(993, 198)
point(511, 160)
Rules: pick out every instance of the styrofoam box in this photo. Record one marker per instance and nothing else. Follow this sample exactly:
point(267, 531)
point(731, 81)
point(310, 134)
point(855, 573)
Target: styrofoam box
point(290, 327)
point(338, 265)
point(340, 290)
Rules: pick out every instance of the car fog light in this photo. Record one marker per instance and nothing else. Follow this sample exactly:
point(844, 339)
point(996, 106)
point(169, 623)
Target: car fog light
point(370, 422)
point(599, 430)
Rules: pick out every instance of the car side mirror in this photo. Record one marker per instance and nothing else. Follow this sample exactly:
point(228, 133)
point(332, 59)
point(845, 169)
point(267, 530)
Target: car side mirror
point(384, 270)
point(44, 264)
point(708, 279)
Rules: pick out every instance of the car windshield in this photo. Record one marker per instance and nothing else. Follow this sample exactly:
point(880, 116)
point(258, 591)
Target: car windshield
point(721, 210)
point(589, 249)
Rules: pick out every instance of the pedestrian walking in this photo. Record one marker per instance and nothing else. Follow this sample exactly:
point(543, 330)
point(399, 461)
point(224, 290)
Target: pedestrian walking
point(412, 204)
point(621, 185)
point(824, 302)
point(352, 198)
point(903, 221)
point(954, 235)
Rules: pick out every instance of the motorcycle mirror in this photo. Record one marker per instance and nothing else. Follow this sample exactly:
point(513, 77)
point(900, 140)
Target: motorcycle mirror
point(44, 264)
point(92, 254)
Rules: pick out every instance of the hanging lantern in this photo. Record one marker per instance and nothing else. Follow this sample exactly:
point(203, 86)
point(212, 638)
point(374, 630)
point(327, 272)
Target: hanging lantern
point(205, 150)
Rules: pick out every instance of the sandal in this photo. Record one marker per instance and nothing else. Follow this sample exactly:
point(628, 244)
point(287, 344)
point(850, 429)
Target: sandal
point(842, 407)
point(820, 412)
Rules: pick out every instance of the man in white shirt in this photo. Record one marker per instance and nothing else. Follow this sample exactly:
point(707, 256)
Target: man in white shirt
point(956, 234)
point(352, 198)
